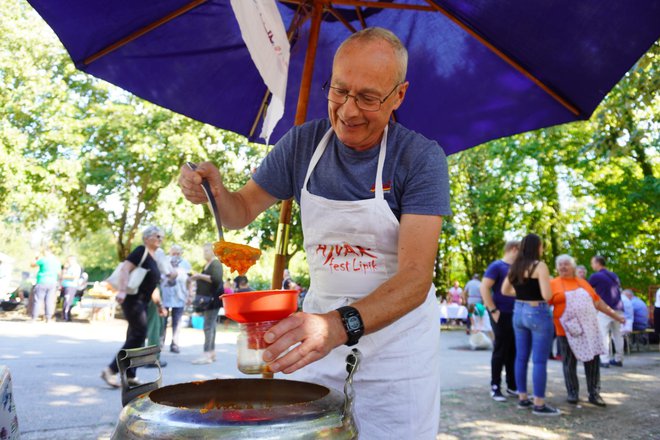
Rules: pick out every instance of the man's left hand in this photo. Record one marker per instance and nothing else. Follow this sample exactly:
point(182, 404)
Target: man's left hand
point(317, 335)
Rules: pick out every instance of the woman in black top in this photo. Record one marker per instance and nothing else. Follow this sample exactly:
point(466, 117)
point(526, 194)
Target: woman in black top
point(529, 281)
point(135, 306)
point(209, 283)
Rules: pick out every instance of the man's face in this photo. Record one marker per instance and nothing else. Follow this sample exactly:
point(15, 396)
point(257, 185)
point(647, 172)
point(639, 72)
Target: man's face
point(594, 264)
point(367, 68)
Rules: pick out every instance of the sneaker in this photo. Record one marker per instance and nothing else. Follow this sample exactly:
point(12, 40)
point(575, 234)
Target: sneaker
point(175, 348)
point(133, 381)
point(545, 410)
point(616, 363)
point(597, 400)
point(512, 393)
point(573, 400)
point(496, 394)
point(110, 378)
point(604, 365)
point(525, 404)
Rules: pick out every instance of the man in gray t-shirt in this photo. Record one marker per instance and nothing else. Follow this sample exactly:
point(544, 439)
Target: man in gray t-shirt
point(471, 292)
point(365, 231)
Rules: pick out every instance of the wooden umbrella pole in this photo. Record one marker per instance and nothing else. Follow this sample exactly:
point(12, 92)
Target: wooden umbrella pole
point(301, 116)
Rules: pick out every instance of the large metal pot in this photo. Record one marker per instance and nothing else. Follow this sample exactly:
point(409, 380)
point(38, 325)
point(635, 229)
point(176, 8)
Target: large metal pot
point(233, 408)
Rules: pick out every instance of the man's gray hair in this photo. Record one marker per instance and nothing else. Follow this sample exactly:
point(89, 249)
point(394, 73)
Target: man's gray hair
point(379, 33)
point(149, 231)
point(628, 292)
point(176, 248)
point(565, 257)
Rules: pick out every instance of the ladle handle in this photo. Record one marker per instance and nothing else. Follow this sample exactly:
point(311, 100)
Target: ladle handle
point(209, 195)
point(352, 364)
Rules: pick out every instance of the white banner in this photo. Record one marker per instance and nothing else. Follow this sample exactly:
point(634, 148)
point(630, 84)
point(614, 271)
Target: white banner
point(265, 37)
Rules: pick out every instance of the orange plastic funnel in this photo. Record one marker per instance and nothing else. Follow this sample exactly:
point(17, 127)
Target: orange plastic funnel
point(260, 305)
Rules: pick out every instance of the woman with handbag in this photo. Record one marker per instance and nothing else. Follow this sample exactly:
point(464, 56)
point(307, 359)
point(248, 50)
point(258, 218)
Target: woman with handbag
point(136, 279)
point(575, 314)
point(207, 301)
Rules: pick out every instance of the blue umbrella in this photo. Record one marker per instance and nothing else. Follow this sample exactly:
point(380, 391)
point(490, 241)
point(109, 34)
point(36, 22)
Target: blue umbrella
point(478, 69)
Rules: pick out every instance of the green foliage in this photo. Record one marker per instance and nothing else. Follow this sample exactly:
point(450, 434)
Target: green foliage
point(85, 166)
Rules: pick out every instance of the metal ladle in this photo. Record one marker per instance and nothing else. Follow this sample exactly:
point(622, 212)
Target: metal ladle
point(209, 195)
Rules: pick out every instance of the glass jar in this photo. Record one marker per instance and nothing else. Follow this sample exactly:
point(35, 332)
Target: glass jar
point(251, 347)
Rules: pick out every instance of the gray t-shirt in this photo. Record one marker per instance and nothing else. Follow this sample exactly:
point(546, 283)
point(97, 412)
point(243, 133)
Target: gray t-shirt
point(474, 294)
point(415, 177)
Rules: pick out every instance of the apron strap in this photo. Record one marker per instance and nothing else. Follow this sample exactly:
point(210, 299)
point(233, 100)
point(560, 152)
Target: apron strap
point(320, 149)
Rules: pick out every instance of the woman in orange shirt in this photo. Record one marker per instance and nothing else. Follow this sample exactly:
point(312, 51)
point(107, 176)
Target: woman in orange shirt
point(575, 306)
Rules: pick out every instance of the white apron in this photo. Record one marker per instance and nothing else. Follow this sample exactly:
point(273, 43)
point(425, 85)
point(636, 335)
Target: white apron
point(351, 249)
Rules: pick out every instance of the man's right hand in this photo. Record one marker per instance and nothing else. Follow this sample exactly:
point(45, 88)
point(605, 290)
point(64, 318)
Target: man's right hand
point(190, 181)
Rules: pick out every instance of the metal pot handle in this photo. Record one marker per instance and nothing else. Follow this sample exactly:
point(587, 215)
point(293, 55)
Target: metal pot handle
point(352, 364)
point(137, 357)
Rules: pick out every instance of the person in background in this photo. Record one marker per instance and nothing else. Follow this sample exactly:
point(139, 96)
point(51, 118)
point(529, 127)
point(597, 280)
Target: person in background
point(454, 294)
point(608, 286)
point(209, 283)
point(47, 279)
point(228, 287)
point(175, 294)
point(581, 272)
point(71, 274)
point(25, 287)
point(480, 321)
point(286, 278)
point(529, 281)
point(628, 314)
point(135, 306)
point(500, 308)
point(576, 305)
point(640, 311)
point(471, 295)
point(472, 292)
point(242, 284)
point(155, 310)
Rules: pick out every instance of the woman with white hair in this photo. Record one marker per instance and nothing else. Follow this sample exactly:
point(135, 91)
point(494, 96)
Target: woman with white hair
point(135, 306)
point(575, 305)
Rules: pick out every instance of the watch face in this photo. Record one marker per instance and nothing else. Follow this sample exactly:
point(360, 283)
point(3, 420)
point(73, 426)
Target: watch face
point(353, 323)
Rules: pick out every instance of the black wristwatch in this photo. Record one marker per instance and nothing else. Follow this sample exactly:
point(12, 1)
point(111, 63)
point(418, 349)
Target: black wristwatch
point(494, 310)
point(352, 324)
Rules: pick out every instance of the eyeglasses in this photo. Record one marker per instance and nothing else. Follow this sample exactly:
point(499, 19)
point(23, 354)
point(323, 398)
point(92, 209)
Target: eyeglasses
point(158, 236)
point(368, 103)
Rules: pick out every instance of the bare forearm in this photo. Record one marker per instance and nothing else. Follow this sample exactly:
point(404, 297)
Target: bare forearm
point(603, 307)
point(124, 275)
point(486, 294)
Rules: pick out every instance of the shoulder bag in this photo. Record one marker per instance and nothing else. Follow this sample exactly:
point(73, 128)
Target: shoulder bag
point(135, 278)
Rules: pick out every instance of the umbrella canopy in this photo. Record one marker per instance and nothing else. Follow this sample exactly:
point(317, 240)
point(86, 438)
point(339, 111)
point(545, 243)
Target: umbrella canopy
point(479, 70)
